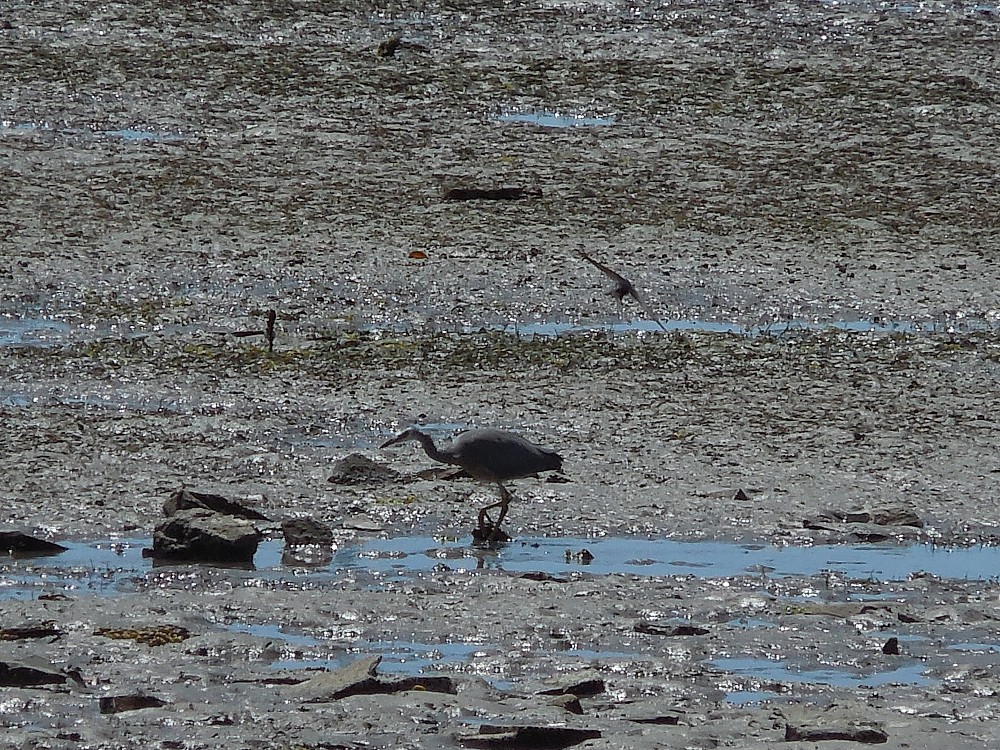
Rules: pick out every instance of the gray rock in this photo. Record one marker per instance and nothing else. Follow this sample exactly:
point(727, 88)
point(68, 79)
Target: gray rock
point(186, 500)
point(360, 678)
point(869, 735)
point(358, 469)
point(199, 535)
point(19, 544)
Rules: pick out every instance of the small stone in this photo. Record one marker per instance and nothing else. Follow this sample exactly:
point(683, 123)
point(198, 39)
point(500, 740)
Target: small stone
point(891, 647)
point(683, 629)
point(581, 684)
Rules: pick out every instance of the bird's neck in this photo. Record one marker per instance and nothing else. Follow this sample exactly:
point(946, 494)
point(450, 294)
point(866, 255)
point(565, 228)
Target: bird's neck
point(430, 449)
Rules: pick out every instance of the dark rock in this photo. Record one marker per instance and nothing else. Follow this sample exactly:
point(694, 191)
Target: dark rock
point(116, 704)
point(538, 575)
point(891, 647)
point(302, 531)
point(568, 702)
point(581, 684)
point(200, 535)
point(741, 496)
point(186, 500)
point(19, 544)
point(389, 47)
point(13, 674)
point(683, 629)
point(491, 735)
point(868, 735)
point(660, 719)
point(886, 514)
point(495, 194)
point(358, 469)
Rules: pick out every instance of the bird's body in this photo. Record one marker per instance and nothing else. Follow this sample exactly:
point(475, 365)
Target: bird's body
point(490, 456)
point(622, 288)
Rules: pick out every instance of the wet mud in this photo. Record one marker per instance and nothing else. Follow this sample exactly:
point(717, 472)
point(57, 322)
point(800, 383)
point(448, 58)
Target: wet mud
point(803, 195)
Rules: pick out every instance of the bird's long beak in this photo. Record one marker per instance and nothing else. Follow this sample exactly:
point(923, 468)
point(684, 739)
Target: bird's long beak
point(391, 441)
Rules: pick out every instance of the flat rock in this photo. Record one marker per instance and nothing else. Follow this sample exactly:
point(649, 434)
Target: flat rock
point(116, 704)
point(528, 736)
point(358, 469)
point(19, 544)
point(199, 535)
point(185, 499)
point(20, 674)
point(360, 678)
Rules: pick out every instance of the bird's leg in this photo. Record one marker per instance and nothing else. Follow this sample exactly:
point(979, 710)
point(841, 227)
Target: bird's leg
point(504, 504)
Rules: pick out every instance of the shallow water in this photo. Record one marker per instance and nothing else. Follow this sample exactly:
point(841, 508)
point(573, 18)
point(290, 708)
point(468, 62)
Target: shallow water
point(106, 568)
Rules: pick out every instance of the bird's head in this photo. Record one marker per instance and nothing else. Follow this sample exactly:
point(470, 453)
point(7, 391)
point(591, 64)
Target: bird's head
point(410, 433)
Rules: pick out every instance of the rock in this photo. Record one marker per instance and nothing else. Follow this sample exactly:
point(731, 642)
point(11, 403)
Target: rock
point(20, 674)
point(885, 514)
point(581, 684)
point(868, 735)
point(389, 47)
point(116, 704)
point(741, 496)
point(19, 544)
point(683, 629)
point(199, 535)
point(528, 736)
point(358, 469)
point(356, 678)
point(891, 647)
point(359, 678)
point(25, 632)
point(186, 500)
point(568, 702)
point(491, 194)
point(302, 531)
point(844, 722)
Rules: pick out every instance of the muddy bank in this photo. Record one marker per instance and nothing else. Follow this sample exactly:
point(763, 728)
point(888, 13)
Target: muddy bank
point(173, 172)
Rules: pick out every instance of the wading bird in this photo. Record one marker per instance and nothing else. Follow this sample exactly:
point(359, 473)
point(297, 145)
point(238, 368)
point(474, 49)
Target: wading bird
point(622, 288)
point(489, 456)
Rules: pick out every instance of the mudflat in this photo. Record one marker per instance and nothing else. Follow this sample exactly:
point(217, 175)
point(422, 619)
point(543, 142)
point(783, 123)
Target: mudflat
point(802, 193)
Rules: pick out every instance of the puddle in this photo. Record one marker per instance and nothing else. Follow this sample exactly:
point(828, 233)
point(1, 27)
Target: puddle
point(134, 135)
point(781, 672)
point(982, 648)
point(551, 329)
point(548, 119)
point(31, 332)
point(108, 568)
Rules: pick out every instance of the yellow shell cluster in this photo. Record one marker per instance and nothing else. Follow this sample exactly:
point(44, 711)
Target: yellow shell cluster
point(154, 635)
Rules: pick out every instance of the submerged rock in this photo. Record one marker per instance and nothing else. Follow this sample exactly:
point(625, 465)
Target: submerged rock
point(199, 535)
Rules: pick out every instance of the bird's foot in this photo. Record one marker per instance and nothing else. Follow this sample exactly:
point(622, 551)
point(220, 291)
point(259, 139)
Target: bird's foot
point(489, 534)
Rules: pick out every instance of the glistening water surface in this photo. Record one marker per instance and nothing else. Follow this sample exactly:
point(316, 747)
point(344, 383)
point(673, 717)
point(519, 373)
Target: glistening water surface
point(118, 567)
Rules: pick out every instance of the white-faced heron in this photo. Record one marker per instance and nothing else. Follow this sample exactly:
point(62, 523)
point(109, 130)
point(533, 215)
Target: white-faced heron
point(490, 456)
